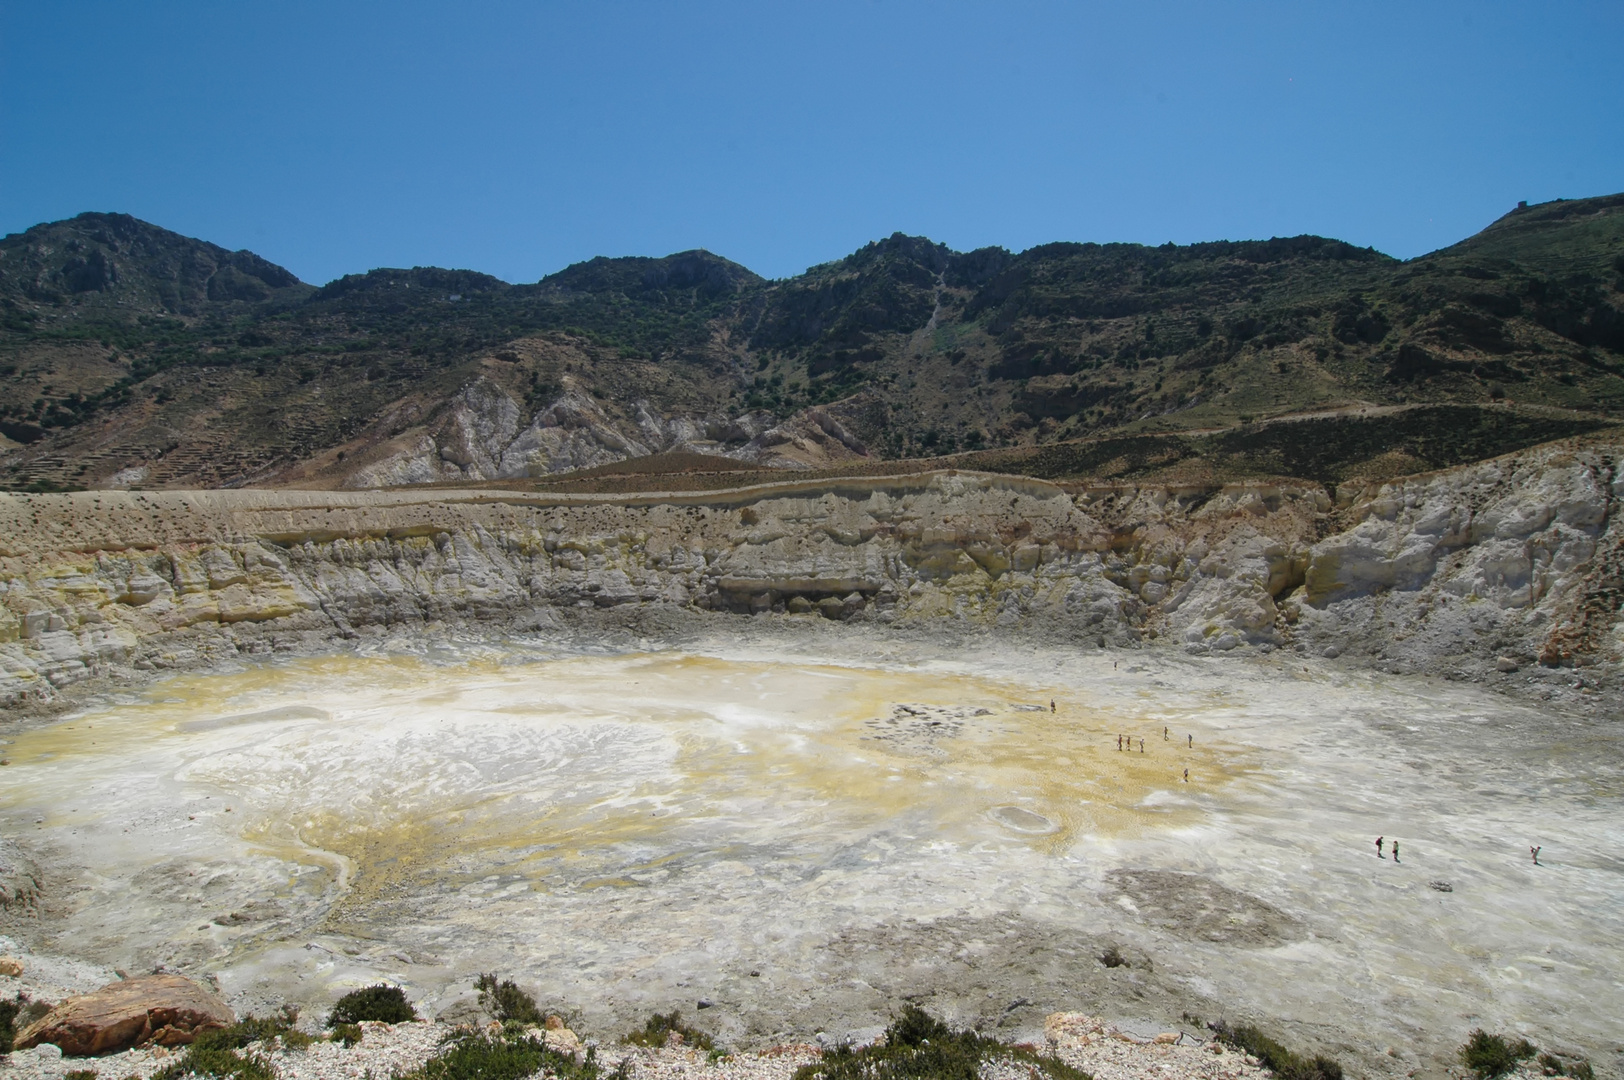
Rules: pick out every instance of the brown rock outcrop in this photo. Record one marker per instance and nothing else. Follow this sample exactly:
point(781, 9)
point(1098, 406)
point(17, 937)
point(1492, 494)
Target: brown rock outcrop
point(165, 1009)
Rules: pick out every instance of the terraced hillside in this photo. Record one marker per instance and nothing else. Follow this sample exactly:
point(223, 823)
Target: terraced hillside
point(133, 357)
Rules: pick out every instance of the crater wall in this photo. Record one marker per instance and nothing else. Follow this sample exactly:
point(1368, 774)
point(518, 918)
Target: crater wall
point(1505, 566)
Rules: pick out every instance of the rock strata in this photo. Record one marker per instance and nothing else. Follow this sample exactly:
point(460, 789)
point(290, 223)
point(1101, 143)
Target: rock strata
point(166, 1010)
point(1489, 570)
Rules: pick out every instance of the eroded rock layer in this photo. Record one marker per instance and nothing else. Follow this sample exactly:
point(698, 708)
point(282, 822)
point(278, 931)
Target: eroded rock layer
point(1489, 567)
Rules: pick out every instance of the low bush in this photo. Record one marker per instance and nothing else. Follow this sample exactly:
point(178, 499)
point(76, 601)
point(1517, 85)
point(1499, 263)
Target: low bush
point(1489, 1055)
point(385, 1004)
point(917, 1046)
point(269, 1029)
point(1275, 1057)
point(660, 1027)
point(504, 1056)
point(1578, 1068)
point(506, 1002)
point(1113, 958)
point(215, 1053)
point(346, 1035)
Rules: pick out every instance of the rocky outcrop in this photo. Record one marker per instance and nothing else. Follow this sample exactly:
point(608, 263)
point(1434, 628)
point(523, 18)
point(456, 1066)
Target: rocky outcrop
point(1511, 561)
point(164, 1009)
point(484, 435)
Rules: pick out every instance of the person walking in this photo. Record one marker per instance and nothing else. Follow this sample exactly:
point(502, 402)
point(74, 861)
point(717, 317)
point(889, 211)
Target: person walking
point(1534, 851)
point(1164, 733)
point(1119, 742)
point(1379, 854)
point(1186, 776)
point(1192, 740)
point(1051, 704)
point(1141, 746)
point(1395, 851)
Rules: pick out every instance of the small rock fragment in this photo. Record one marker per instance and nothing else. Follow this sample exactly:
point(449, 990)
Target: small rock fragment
point(560, 1038)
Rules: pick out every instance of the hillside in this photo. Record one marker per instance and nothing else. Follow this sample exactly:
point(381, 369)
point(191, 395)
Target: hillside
point(131, 356)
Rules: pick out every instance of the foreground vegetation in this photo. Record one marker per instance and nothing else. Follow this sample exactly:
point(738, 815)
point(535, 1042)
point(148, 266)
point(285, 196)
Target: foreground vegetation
point(1490, 1055)
point(509, 1054)
point(1283, 1063)
point(917, 1046)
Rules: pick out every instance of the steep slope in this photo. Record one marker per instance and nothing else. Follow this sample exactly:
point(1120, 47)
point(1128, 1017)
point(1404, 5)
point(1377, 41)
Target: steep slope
point(1504, 570)
point(903, 349)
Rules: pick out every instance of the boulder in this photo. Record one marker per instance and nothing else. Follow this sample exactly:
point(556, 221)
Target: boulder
point(164, 1009)
point(560, 1038)
point(10, 965)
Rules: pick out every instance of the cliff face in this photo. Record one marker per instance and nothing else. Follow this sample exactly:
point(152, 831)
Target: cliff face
point(1488, 567)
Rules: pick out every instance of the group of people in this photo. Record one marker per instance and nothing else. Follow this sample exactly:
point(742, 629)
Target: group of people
point(1126, 741)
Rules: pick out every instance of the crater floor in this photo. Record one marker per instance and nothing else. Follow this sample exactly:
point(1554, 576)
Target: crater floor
point(801, 833)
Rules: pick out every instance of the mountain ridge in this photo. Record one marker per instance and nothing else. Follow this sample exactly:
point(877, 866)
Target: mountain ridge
point(125, 347)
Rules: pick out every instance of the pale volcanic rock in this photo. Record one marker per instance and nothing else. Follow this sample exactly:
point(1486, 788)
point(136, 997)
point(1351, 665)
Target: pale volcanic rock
point(1501, 559)
point(164, 1009)
point(484, 435)
point(1106, 1052)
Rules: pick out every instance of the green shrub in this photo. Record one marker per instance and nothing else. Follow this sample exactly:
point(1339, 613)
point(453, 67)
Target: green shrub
point(1491, 1055)
point(1276, 1058)
point(8, 1015)
point(252, 1029)
point(916, 1027)
point(80, 1074)
point(504, 1000)
point(1553, 1065)
point(347, 1034)
point(917, 1046)
point(659, 1028)
point(215, 1053)
point(505, 1056)
point(216, 1058)
point(385, 1004)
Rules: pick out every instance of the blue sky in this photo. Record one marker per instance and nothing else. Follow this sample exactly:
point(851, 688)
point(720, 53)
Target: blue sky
point(515, 139)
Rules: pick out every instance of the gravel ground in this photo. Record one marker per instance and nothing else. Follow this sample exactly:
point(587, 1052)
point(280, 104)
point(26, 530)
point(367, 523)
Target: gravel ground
point(1108, 1053)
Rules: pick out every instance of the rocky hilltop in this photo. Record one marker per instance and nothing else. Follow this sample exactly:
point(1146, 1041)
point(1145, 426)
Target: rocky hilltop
point(1506, 569)
point(132, 357)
